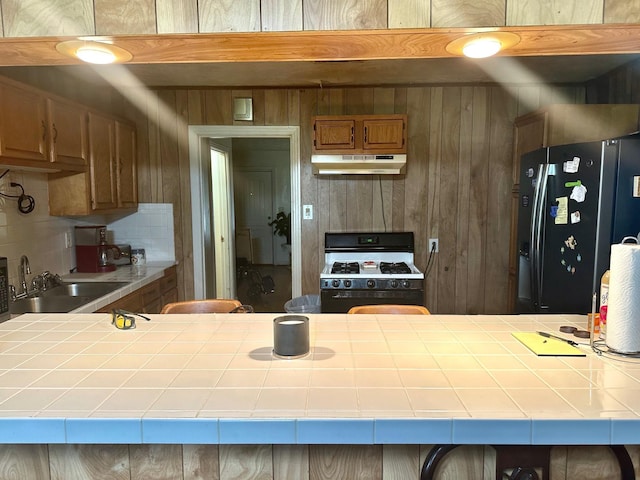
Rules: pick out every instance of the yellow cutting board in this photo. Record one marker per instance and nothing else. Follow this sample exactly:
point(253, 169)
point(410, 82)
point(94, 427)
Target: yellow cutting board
point(543, 346)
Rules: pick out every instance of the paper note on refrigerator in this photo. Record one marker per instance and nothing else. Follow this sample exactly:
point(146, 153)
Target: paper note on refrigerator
point(579, 193)
point(562, 213)
point(571, 166)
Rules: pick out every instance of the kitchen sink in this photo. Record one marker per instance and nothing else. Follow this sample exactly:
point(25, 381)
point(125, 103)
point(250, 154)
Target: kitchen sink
point(51, 304)
point(83, 289)
point(63, 298)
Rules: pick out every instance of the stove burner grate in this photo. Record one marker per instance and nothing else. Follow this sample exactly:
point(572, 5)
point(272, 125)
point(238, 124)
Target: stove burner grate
point(394, 268)
point(345, 267)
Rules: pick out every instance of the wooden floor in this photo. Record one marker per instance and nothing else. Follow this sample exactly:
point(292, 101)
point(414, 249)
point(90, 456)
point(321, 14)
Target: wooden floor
point(249, 287)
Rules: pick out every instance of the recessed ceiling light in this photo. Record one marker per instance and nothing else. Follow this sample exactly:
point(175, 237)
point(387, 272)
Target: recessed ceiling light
point(482, 45)
point(94, 52)
point(481, 48)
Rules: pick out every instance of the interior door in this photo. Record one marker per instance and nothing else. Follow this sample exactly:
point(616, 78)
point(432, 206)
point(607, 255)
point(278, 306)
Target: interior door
point(222, 238)
point(254, 211)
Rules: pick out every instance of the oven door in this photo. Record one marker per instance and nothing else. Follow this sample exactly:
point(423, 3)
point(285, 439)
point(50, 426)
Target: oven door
point(340, 301)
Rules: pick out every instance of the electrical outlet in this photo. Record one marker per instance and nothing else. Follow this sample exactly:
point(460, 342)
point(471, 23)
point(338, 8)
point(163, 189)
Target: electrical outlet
point(67, 240)
point(433, 242)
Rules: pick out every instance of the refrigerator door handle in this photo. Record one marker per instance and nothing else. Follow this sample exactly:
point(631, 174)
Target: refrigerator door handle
point(537, 216)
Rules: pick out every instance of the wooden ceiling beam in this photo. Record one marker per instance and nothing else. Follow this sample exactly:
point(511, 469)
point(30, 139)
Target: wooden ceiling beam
point(323, 46)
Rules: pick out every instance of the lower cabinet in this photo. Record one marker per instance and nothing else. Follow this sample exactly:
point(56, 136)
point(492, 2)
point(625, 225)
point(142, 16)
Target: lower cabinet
point(169, 286)
point(151, 297)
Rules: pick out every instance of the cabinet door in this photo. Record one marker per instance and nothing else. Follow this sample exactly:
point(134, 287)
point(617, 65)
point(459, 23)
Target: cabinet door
point(22, 124)
point(334, 134)
point(126, 180)
point(68, 131)
point(101, 162)
point(131, 303)
point(151, 298)
point(383, 134)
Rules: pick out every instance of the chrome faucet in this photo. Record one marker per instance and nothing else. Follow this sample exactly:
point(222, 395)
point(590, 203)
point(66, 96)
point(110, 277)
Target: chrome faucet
point(24, 270)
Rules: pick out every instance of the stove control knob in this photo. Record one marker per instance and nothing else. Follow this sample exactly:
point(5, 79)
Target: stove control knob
point(371, 283)
point(335, 283)
point(347, 283)
point(405, 283)
point(394, 283)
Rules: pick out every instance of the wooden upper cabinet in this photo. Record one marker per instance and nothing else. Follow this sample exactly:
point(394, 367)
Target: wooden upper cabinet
point(110, 185)
point(360, 134)
point(331, 134)
point(23, 129)
point(67, 124)
point(101, 162)
point(383, 134)
point(126, 168)
point(41, 131)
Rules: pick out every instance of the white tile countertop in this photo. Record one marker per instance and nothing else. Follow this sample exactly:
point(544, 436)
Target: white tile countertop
point(135, 276)
point(212, 378)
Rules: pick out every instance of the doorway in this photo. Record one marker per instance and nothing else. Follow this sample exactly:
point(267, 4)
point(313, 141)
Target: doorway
point(262, 195)
point(199, 136)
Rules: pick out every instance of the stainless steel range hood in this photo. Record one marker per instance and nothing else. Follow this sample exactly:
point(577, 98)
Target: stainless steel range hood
point(359, 164)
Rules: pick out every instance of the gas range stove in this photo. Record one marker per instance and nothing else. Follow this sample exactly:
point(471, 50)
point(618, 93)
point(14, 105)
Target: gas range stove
point(369, 268)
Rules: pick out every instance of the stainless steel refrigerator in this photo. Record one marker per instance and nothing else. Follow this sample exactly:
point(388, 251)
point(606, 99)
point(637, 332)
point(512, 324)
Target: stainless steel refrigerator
point(575, 201)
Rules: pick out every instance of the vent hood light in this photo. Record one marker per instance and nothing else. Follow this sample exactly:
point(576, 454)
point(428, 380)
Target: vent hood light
point(482, 45)
point(91, 51)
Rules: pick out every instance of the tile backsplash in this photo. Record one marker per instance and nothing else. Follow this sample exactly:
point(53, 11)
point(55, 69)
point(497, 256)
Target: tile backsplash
point(37, 235)
point(151, 228)
point(42, 238)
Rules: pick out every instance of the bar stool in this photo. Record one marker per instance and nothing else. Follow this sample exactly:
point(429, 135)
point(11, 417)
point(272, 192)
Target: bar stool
point(523, 460)
point(390, 309)
point(212, 305)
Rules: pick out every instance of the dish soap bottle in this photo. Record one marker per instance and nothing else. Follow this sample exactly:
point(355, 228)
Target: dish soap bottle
point(604, 301)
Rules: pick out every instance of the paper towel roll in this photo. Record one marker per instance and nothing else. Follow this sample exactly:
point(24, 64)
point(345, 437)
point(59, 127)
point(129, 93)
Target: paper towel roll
point(623, 311)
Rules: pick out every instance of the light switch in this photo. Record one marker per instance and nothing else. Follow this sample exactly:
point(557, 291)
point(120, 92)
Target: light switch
point(307, 212)
point(636, 186)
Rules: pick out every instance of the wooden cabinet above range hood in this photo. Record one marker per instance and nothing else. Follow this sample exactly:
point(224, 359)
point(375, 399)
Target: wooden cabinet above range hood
point(359, 144)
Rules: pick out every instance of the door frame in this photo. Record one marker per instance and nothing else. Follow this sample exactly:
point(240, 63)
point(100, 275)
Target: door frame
point(196, 135)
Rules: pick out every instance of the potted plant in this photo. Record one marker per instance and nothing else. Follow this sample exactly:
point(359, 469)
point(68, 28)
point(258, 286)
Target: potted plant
point(282, 226)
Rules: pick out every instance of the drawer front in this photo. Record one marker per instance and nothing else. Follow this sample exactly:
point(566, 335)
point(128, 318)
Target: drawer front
point(150, 293)
point(169, 281)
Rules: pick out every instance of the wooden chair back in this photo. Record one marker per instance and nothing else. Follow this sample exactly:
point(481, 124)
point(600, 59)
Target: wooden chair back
point(390, 309)
point(212, 305)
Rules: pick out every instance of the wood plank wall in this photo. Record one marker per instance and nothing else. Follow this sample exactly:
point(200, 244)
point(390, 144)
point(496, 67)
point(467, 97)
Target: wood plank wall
point(114, 17)
point(457, 186)
point(281, 462)
point(621, 85)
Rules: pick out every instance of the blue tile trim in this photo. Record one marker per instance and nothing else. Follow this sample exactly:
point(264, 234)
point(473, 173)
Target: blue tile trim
point(625, 431)
point(412, 430)
point(571, 432)
point(180, 430)
point(332, 431)
point(257, 431)
point(483, 431)
point(32, 430)
point(104, 430)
